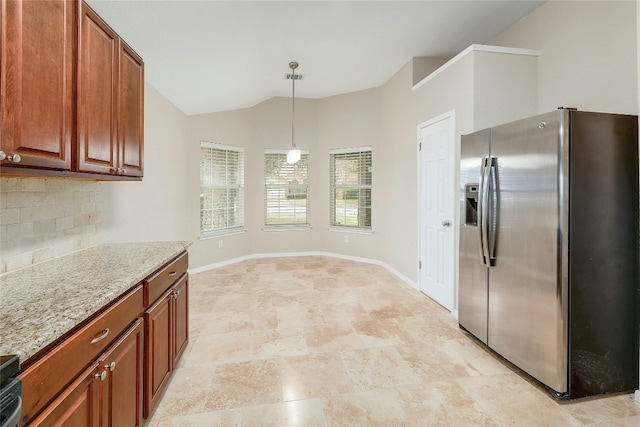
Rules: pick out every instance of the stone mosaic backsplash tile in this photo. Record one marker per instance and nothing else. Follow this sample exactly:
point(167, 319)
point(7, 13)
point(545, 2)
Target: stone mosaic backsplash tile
point(45, 218)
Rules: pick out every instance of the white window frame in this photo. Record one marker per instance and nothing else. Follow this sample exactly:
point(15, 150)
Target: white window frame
point(238, 186)
point(286, 188)
point(334, 226)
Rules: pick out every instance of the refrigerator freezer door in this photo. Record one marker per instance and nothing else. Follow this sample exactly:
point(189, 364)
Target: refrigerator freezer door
point(472, 295)
point(526, 317)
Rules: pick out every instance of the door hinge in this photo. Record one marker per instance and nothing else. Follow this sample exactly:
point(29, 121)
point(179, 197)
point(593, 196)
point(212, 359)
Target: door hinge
point(419, 265)
point(420, 146)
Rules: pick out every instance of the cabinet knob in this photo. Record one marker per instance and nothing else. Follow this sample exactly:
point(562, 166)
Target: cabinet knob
point(101, 376)
point(110, 367)
point(15, 158)
point(113, 170)
point(122, 171)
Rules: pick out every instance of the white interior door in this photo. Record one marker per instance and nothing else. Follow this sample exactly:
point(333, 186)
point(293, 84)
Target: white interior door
point(437, 230)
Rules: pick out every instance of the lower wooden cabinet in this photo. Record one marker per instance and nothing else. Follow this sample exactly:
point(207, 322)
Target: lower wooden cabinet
point(111, 371)
point(166, 324)
point(180, 319)
point(158, 349)
point(121, 396)
point(77, 406)
point(108, 393)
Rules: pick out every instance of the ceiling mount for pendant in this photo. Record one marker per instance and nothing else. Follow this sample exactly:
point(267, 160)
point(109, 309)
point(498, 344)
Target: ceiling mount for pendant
point(294, 154)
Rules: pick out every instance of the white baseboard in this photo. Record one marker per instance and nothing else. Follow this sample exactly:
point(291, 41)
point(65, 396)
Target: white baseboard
point(636, 396)
point(297, 254)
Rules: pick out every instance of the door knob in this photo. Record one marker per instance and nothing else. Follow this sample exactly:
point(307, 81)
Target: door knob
point(446, 223)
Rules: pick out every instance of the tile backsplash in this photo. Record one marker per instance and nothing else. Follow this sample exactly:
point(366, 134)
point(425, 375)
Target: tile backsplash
point(44, 218)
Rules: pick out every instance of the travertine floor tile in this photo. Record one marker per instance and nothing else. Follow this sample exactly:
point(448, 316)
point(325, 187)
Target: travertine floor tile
point(382, 332)
point(378, 368)
point(331, 337)
point(273, 343)
point(242, 384)
point(431, 364)
point(511, 400)
point(295, 315)
point(320, 341)
point(221, 348)
point(599, 410)
point(228, 418)
point(370, 408)
point(442, 403)
point(187, 391)
point(308, 413)
point(305, 377)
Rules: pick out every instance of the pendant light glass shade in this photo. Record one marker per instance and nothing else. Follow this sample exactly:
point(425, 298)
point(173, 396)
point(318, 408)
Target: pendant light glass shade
point(293, 155)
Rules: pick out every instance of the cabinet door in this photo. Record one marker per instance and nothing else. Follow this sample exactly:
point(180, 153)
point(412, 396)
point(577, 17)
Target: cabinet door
point(130, 112)
point(158, 345)
point(97, 149)
point(36, 82)
point(77, 406)
point(180, 318)
point(122, 389)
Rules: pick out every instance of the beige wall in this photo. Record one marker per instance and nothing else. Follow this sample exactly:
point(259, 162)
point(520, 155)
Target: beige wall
point(349, 120)
point(589, 51)
point(335, 122)
point(156, 208)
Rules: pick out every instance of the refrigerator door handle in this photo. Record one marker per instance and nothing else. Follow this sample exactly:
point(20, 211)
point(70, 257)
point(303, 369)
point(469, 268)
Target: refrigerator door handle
point(484, 222)
point(483, 187)
point(492, 217)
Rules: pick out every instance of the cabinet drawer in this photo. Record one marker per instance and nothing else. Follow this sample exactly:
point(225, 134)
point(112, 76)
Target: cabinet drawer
point(160, 281)
point(43, 380)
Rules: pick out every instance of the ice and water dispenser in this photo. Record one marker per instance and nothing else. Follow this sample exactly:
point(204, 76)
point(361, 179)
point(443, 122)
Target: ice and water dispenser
point(471, 204)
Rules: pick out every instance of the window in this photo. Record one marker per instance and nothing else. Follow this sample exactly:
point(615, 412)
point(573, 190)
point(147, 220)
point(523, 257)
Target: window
point(351, 188)
point(286, 190)
point(221, 189)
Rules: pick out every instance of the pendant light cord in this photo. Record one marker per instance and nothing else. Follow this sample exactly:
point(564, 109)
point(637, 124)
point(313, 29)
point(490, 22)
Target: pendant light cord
point(293, 107)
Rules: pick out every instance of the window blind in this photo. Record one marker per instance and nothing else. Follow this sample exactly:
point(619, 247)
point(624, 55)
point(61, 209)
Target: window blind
point(286, 190)
point(221, 188)
point(351, 179)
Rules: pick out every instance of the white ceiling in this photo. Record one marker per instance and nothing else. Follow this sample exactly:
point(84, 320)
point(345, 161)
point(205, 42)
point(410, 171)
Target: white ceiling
point(208, 56)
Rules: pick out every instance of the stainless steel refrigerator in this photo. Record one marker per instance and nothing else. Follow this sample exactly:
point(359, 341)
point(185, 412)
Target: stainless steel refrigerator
point(549, 248)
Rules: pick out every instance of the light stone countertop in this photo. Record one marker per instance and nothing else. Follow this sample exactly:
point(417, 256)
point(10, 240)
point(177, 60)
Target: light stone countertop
point(40, 303)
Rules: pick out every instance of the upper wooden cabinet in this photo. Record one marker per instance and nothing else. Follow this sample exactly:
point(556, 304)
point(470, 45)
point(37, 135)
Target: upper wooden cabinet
point(37, 83)
point(72, 93)
point(130, 111)
point(110, 100)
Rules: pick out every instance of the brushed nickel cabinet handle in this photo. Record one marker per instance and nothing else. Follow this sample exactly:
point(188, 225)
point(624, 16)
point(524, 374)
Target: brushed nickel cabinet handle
point(101, 337)
point(101, 376)
point(110, 366)
point(173, 273)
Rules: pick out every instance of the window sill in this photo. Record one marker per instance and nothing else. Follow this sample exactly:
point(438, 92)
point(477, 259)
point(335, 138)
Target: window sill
point(352, 230)
point(286, 228)
point(222, 233)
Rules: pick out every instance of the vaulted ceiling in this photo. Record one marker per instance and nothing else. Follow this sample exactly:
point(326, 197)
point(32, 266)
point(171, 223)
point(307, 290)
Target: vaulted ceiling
point(207, 56)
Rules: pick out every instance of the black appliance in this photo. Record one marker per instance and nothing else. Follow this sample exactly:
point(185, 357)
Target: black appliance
point(10, 391)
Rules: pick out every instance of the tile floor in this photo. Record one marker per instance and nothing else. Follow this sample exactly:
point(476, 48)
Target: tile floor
point(318, 341)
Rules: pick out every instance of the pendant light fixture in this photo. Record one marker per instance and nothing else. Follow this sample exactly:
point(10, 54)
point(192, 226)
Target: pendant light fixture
point(294, 154)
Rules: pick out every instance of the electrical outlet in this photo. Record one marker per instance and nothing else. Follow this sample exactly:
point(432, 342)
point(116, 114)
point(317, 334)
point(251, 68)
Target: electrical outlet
point(346, 239)
point(220, 244)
